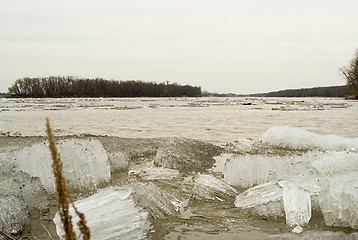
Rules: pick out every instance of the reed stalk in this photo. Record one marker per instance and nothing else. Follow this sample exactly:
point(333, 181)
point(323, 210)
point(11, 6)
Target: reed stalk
point(63, 196)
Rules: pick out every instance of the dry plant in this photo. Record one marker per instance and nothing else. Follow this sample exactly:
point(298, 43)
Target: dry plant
point(63, 195)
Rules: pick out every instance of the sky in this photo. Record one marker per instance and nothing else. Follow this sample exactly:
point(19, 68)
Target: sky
point(235, 46)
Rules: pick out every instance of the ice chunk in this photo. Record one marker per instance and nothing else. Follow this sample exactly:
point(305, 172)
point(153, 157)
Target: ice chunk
point(155, 200)
point(25, 187)
point(7, 162)
point(314, 235)
point(331, 163)
point(110, 214)
point(300, 139)
point(208, 186)
point(339, 203)
point(263, 200)
point(297, 204)
point(14, 215)
point(245, 171)
point(85, 163)
point(186, 155)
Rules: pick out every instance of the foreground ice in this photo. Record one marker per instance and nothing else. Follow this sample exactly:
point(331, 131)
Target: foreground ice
point(278, 199)
point(85, 163)
point(27, 188)
point(14, 216)
point(110, 214)
point(209, 187)
point(339, 203)
point(263, 200)
point(300, 139)
point(155, 200)
point(245, 171)
point(297, 204)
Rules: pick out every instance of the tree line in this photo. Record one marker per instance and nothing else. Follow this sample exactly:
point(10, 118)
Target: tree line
point(79, 87)
point(335, 91)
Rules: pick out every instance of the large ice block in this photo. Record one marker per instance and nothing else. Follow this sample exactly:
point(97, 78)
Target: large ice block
point(14, 215)
point(25, 187)
point(186, 155)
point(339, 203)
point(210, 187)
point(300, 139)
point(110, 214)
point(263, 200)
point(155, 200)
point(245, 171)
point(85, 163)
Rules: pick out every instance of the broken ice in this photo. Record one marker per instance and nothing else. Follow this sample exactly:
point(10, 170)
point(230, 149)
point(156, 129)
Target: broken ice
point(110, 214)
point(85, 163)
point(210, 187)
point(155, 200)
point(15, 216)
point(339, 203)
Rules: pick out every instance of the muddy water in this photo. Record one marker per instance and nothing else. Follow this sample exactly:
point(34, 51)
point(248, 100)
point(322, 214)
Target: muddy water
point(218, 120)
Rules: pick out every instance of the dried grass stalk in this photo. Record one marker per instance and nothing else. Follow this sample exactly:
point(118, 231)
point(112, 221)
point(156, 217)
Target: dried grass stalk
point(63, 195)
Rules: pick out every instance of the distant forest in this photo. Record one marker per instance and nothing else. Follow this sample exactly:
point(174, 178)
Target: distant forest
point(336, 91)
point(78, 87)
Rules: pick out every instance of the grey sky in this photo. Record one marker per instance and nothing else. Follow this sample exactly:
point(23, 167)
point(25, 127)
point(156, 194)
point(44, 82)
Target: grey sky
point(224, 46)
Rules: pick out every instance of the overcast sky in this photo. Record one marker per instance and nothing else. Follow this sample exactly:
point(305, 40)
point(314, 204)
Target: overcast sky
point(221, 45)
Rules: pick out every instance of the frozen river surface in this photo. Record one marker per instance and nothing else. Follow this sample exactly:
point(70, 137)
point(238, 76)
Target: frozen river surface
point(286, 164)
point(217, 120)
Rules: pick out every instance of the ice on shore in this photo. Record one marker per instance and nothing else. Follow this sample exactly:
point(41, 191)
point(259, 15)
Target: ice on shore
point(85, 163)
point(246, 171)
point(155, 200)
point(186, 154)
point(297, 204)
point(339, 203)
point(110, 214)
point(25, 187)
point(210, 187)
point(263, 200)
point(278, 199)
point(300, 139)
point(14, 215)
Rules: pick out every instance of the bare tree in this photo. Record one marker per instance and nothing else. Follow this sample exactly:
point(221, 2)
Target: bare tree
point(350, 73)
